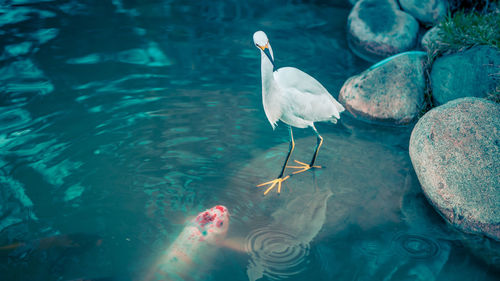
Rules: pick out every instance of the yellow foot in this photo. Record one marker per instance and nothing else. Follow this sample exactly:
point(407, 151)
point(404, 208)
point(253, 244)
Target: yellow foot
point(302, 168)
point(273, 184)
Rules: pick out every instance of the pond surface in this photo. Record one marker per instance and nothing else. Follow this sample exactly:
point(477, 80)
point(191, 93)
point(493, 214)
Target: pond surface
point(120, 120)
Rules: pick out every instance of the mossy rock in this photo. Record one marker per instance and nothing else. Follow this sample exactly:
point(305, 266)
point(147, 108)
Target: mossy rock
point(471, 73)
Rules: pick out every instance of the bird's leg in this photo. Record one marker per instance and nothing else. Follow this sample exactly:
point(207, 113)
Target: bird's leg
point(319, 142)
point(280, 178)
point(303, 166)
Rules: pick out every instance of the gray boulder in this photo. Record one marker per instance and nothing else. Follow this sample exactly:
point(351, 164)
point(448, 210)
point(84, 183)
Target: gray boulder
point(391, 91)
point(378, 29)
point(426, 11)
point(431, 39)
point(455, 150)
point(473, 72)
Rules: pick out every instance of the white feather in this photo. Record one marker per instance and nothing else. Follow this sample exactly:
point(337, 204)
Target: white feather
point(291, 95)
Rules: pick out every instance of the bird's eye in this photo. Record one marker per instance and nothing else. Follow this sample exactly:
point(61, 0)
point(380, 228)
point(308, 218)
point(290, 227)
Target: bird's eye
point(257, 45)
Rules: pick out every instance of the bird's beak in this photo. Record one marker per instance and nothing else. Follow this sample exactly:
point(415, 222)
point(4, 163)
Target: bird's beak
point(264, 47)
point(266, 51)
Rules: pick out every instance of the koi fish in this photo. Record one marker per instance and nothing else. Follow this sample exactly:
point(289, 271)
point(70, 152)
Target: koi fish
point(189, 256)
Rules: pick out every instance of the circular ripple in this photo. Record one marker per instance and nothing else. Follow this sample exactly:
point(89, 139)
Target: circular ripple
point(417, 246)
point(280, 253)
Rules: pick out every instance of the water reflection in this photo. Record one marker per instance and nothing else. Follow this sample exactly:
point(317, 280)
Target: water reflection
point(280, 249)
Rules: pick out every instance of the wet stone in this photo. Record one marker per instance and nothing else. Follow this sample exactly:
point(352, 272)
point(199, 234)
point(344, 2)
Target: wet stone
point(471, 73)
point(454, 150)
point(378, 29)
point(384, 10)
point(390, 92)
point(431, 39)
point(425, 11)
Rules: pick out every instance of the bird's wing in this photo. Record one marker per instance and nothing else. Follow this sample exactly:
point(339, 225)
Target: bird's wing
point(296, 79)
point(307, 98)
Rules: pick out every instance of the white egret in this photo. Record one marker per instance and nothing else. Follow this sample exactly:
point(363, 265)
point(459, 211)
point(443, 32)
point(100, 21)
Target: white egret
point(295, 98)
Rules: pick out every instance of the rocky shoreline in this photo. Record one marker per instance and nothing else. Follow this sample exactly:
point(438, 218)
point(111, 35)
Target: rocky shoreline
point(455, 146)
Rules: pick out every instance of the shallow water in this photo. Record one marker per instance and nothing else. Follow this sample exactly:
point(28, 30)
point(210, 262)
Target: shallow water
point(119, 120)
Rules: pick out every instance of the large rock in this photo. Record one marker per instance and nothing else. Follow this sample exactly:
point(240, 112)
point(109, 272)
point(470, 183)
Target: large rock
point(473, 72)
point(431, 39)
point(391, 91)
point(378, 29)
point(426, 11)
point(354, 169)
point(455, 150)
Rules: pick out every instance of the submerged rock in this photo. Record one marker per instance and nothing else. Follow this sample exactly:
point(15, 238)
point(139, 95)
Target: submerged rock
point(352, 206)
point(472, 73)
point(370, 166)
point(378, 29)
point(391, 91)
point(426, 11)
point(455, 150)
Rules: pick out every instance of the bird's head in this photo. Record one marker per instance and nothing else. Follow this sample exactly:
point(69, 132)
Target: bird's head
point(262, 43)
point(260, 40)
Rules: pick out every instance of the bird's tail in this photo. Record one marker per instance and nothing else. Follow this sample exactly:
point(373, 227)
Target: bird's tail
point(339, 106)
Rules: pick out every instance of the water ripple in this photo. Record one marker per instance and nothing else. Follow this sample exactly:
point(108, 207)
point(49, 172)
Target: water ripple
point(279, 254)
point(11, 118)
point(416, 246)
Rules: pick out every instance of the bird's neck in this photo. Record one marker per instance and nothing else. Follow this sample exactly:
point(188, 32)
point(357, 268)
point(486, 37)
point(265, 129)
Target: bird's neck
point(267, 73)
point(270, 90)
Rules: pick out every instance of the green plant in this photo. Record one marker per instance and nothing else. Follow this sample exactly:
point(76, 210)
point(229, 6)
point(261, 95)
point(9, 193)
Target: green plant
point(460, 31)
point(464, 30)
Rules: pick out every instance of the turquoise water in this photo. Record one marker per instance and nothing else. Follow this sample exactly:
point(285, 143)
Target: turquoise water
point(120, 120)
